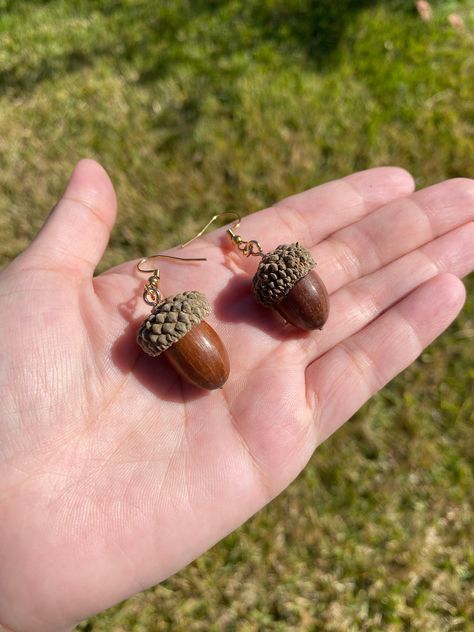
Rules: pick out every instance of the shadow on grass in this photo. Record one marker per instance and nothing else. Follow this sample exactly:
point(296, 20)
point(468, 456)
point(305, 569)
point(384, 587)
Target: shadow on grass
point(316, 27)
point(20, 80)
point(310, 34)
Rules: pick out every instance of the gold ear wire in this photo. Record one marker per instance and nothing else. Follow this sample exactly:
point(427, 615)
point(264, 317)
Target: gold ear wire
point(139, 264)
point(247, 248)
point(151, 291)
point(211, 221)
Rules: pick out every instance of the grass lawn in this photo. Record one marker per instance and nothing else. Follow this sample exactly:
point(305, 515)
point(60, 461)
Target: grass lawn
point(200, 106)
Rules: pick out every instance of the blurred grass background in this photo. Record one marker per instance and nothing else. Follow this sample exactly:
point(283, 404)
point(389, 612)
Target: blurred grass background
point(200, 106)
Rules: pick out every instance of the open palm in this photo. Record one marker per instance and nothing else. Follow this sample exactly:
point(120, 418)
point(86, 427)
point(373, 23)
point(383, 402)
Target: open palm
point(114, 473)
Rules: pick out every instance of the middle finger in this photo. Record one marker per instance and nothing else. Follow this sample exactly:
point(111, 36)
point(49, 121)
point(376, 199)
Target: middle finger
point(394, 230)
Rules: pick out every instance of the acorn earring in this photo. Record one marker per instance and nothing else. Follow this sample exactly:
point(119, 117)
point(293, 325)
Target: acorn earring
point(176, 328)
point(285, 279)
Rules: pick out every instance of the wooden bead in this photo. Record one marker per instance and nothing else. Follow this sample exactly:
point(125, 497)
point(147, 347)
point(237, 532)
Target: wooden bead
point(200, 357)
point(307, 304)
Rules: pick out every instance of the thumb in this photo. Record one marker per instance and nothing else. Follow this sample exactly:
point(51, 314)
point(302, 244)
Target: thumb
point(77, 230)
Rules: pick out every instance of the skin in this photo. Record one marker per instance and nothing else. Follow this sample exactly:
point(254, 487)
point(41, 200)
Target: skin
point(115, 474)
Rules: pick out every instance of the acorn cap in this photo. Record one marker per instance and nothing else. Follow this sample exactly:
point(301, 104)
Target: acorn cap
point(279, 271)
point(170, 320)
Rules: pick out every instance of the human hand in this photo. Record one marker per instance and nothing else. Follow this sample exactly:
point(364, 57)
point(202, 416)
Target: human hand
point(114, 473)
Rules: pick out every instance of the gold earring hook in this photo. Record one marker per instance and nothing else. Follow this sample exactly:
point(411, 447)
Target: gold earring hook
point(247, 248)
point(139, 264)
point(211, 221)
point(151, 291)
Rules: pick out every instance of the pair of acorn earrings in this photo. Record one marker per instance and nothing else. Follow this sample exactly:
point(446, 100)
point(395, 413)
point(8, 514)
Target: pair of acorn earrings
point(285, 281)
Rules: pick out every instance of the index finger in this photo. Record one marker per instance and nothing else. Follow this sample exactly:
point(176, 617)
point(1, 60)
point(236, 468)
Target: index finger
point(313, 215)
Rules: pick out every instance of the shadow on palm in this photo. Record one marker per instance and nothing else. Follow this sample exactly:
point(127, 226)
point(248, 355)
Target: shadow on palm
point(248, 330)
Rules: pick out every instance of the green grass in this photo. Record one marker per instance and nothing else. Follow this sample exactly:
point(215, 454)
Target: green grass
point(201, 106)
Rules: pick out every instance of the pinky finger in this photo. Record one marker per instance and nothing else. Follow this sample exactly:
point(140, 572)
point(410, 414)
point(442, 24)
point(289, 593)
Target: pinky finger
point(342, 380)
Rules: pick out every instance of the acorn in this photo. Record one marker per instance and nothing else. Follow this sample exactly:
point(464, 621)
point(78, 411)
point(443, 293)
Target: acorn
point(176, 328)
point(286, 281)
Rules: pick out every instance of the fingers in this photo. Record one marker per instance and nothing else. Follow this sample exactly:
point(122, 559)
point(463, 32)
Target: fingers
point(341, 202)
point(360, 302)
point(394, 230)
point(348, 375)
point(77, 230)
point(311, 216)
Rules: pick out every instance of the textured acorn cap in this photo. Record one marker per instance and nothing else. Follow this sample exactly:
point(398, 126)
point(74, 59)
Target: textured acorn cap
point(170, 320)
point(278, 272)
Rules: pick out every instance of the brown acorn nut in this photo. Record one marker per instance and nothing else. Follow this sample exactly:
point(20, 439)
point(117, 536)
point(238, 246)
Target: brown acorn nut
point(285, 281)
point(176, 328)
